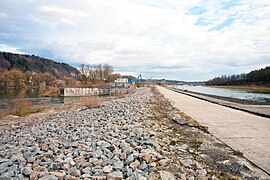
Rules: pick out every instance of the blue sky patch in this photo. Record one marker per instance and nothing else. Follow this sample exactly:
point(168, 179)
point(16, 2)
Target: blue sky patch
point(202, 22)
point(228, 22)
point(197, 10)
point(229, 4)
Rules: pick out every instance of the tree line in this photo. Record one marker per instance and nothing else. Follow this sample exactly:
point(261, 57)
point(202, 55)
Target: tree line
point(91, 75)
point(259, 77)
point(96, 74)
point(18, 79)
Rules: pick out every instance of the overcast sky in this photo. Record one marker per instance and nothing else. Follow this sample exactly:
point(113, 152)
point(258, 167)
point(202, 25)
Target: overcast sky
point(172, 39)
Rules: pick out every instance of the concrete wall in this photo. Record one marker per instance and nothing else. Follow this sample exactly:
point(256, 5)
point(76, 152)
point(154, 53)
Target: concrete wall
point(92, 91)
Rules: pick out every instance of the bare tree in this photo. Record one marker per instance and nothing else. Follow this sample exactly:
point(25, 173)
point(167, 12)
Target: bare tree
point(82, 69)
point(107, 70)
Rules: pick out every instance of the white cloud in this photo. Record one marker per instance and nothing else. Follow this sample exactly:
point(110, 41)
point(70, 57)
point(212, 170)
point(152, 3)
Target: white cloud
point(161, 38)
point(6, 48)
point(2, 14)
point(62, 11)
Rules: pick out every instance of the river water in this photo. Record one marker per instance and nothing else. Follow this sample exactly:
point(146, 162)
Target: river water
point(241, 94)
point(8, 98)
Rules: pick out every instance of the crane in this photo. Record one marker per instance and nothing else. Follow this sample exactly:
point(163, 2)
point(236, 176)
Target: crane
point(139, 81)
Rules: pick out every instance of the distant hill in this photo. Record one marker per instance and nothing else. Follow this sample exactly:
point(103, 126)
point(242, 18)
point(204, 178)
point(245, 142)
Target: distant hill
point(37, 64)
point(260, 77)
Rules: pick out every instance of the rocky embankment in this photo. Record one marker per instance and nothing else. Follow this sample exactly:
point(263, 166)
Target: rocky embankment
point(138, 137)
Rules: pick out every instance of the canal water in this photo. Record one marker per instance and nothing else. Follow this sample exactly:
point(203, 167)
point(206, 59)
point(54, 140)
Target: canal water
point(9, 98)
point(241, 94)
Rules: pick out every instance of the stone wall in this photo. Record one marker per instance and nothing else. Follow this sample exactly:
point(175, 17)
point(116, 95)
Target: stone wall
point(92, 91)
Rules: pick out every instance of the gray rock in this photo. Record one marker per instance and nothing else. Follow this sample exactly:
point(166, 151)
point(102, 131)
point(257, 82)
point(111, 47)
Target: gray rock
point(7, 174)
point(165, 175)
point(108, 153)
point(71, 144)
point(153, 144)
point(56, 166)
point(48, 177)
point(115, 175)
point(97, 153)
point(71, 170)
point(105, 145)
point(87, 170)
point(187, 163)
point(143, 166)
point(3, 169)
point(201, 173)
point(3, 160)
point(129, 172)
point(31, 159)
point(111, 148)
point(118, 165)
point(27, 171)
point(68, 159)
point(140, 177)
point(130, 159)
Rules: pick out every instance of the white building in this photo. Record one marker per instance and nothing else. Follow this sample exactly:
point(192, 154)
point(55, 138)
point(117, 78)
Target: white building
point(121, 82)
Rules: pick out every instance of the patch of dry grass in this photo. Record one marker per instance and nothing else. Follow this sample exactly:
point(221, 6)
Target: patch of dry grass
point(21, 108)
point(90, 101)
point(49, 92)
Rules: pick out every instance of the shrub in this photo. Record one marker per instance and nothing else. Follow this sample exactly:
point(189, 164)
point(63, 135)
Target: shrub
point(21, 108)
point(90, 101)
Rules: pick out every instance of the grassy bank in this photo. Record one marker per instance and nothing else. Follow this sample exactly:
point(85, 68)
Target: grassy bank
point(258, 88)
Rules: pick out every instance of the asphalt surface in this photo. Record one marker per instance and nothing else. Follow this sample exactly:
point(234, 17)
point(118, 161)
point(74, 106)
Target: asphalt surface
point(260, 110)
point(242, 131)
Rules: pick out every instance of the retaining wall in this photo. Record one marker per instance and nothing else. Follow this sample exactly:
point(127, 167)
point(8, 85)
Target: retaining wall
point(92, 91)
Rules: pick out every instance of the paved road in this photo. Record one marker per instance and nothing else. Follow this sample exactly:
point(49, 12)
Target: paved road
point(242, 131)
point(261, 110)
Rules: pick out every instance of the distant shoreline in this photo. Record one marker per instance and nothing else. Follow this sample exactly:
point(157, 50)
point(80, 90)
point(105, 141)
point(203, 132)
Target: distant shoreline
point(240, 101)
point(257, 88)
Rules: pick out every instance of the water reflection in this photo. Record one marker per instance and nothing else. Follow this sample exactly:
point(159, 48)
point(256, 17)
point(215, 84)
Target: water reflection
point(9, 98)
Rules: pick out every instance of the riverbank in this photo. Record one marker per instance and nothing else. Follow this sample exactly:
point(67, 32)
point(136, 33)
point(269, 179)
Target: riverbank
point(230, 99)
point(139, 136)
point(257, 88)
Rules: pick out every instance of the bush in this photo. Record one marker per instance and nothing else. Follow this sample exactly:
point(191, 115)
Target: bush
point(21, 108)
point(90, 101)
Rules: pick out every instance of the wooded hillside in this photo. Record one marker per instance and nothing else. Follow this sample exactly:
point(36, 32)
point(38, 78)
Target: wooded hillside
point(259, 77)
point(36, 64)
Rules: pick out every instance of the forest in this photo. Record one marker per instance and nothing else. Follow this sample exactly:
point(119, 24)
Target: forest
point(259, 77)
point(32, 63)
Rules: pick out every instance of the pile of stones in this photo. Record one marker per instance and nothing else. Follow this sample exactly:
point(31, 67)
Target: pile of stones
point(106, 142)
